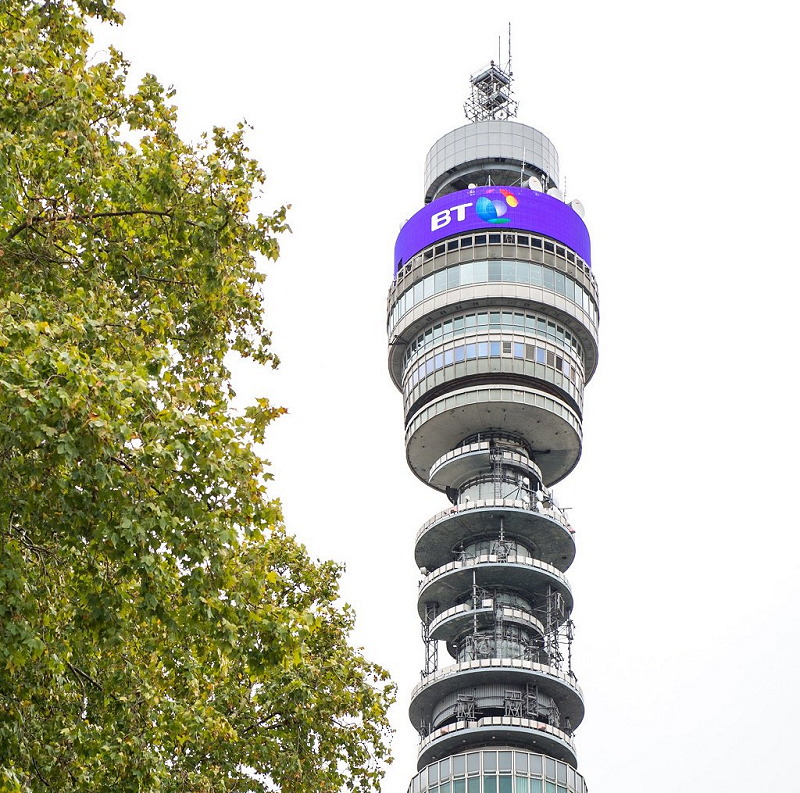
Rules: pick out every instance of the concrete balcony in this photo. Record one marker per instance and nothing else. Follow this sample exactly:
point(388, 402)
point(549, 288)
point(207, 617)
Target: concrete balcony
point(545, 531)
point(497, 730)
point(518, 573)
point(466, 675)
point(460, 620)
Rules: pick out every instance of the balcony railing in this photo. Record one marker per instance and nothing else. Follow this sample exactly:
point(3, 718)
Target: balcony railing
point(551, 511)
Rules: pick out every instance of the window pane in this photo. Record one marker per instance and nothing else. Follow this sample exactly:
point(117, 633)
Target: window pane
point(490, 784)
point(504, 761)
point(490, 761)
point(474, 784)
point(505, 785)
point(473, 762)
point(521, 784)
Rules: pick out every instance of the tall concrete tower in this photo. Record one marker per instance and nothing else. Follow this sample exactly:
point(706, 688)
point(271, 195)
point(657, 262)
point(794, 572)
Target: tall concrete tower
point(492, 324)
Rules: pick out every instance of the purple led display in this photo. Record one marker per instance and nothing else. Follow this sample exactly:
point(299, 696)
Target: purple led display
point(492, 209)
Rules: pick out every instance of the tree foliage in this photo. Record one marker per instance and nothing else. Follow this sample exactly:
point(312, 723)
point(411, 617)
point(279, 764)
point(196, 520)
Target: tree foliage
point(159, 630)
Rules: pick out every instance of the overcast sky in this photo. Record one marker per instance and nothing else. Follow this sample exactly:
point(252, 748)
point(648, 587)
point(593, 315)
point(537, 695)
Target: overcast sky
point(677, 128)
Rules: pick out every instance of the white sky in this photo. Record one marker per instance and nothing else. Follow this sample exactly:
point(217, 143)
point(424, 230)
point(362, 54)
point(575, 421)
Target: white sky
point(677, 128)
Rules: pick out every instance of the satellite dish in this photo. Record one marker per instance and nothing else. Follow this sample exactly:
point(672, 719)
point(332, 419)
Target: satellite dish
point(472, 185)
point(535, 183)
point(556, 193)
point(578, 207)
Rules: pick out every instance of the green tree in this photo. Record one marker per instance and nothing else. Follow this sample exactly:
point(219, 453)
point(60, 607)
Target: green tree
point(159, 630)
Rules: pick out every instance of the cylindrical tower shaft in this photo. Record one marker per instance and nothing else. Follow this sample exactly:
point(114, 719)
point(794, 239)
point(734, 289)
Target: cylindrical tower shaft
point(492, 324)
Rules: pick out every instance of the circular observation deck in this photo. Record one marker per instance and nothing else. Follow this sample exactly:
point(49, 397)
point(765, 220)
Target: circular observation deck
point(547, 424)
point(455, 623)
point(495, 730)
point(477, 457)
point(499, 673)
point(530, 577)
point(548, 537)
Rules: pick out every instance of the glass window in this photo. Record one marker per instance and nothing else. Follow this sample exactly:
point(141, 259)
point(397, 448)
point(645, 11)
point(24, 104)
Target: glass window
point(549, 279)
point(561, 775)
point(519, 349)
point(549, 787)
point(445, 787)
point(483, 349)
point(453, 277)
point(550, 767)
point(495, 271)
point(472, 351)
point(466, 273)
point(466, 242)
point(494, 319)
point(469, 321)
point(459, 351)
point(440, 281)
point(536, 786)
point(473, 762)
point(536, 764)
point(494, 238)
point(521, 784)
point(482, 318)
point(460, 786)
point(510, 271)
point(458, 324)
point(433, 773)
point(427, 284)
point(480, 239)
point(521, 758)
point(494, 349)
point(481, 272)
point(490, 761)
point(438, 361)
point(459, 765)
point(452, 245)
point(448, 357)
point(490, 784)
point(506, 785)
point(444, 769)
point(504, 761)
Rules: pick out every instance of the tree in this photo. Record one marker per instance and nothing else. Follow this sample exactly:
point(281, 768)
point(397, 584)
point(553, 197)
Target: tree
point(159, 629)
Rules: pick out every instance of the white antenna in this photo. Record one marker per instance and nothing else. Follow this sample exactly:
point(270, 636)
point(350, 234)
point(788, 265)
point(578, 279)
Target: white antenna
point(521, 167)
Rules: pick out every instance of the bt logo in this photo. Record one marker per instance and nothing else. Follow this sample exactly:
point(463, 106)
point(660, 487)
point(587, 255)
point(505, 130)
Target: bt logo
point(487, 209)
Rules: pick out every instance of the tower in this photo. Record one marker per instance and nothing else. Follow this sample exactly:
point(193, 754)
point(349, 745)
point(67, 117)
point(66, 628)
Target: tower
point(492, 325)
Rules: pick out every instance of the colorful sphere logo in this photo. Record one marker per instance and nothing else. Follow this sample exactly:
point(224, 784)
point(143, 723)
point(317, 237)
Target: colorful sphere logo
point(492, 210)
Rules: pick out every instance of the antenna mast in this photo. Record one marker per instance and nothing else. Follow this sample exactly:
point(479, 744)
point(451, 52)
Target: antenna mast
point(491, 95)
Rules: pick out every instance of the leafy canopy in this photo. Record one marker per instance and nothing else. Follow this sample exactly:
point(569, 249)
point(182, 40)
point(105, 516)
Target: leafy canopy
point(159, 630)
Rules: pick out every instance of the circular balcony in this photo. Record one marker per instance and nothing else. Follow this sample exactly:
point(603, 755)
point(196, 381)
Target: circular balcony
point(517, 573)
point(497, 730)
point(547, 424)
point(545, 530)
point(458, 465)
point(452, 624)
point(466, 675)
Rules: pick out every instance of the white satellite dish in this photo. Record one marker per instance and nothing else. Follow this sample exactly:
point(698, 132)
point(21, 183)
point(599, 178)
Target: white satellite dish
point(535, 183)
point(556, 193)
point(578, 207)
point(472, 185)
